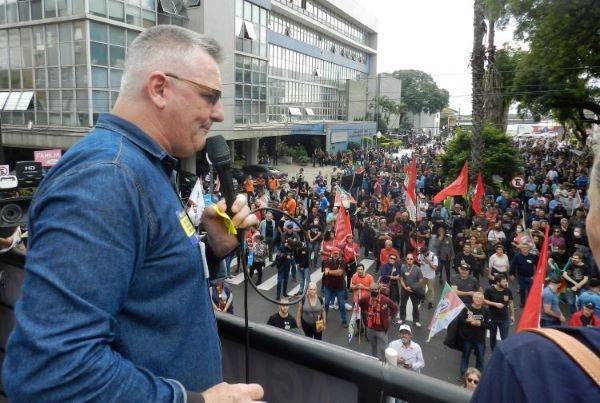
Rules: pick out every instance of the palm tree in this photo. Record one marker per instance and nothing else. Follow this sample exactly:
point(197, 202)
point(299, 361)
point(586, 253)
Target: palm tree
point(477, 75)
point(495, 12)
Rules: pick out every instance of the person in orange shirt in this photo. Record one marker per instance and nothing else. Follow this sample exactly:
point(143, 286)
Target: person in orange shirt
point(386, 252)
point(249, 186)
point(289, 205)
point(273, 183)
point(361, 283)
point(350, 252)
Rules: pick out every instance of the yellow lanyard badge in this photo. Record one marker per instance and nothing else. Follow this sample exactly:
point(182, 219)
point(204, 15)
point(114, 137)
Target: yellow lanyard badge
point(226, 220)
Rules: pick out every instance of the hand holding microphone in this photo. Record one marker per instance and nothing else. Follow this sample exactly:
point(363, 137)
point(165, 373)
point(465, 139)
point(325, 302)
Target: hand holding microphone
point(221, 242)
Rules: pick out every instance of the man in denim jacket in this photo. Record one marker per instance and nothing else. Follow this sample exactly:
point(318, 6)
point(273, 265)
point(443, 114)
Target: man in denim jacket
point(115, 304)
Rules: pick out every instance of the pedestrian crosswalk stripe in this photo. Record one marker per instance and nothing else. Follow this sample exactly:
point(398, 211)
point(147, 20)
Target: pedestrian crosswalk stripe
point(268, 283)
point(368, 263)
point(239, 278)
point(315, 277)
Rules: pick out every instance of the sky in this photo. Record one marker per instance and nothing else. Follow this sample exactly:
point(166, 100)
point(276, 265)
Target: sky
point(435, 36)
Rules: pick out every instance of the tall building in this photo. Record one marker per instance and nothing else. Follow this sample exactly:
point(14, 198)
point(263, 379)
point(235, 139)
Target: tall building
point(286, 72)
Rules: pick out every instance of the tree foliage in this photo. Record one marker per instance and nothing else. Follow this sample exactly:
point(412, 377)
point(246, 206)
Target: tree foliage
point(383, 108)
point(420, 93)
point(500, 156)
point(560, 73)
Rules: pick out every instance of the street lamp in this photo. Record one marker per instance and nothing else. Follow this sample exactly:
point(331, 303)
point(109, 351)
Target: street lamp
point(378, 136)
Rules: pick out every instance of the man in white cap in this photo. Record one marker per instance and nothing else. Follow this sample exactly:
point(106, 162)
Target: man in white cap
point(410, 355)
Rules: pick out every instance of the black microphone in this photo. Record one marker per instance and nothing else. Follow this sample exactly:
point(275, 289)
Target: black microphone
point(218, 153)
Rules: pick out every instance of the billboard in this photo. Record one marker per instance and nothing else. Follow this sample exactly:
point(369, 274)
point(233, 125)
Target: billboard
point(48, 158)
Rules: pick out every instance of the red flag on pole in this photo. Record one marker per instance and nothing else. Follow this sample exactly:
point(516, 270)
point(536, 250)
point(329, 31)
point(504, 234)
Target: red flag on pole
point(459, 187)
point(530, 317)
point(342, 225)
point(411, 194)
point(479, 194)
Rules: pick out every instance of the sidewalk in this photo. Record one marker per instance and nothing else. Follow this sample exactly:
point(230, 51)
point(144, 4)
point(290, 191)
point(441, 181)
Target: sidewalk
point(310, 173)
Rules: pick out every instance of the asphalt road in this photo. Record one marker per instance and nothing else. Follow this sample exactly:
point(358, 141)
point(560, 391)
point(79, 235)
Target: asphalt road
point(440, 361)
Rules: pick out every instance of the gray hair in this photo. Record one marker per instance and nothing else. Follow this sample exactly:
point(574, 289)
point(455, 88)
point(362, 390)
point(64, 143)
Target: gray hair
point(162, 47)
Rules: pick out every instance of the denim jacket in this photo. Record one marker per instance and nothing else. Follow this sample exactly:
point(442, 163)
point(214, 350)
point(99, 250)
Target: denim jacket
point(115, 305)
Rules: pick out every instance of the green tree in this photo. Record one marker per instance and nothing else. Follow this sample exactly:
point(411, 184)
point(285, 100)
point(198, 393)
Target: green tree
point(560, 73)
point(420, 93)
point(383, 107)
point(499, 157)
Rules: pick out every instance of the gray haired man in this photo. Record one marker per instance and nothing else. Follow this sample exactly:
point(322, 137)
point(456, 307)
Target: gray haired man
point(123, 312)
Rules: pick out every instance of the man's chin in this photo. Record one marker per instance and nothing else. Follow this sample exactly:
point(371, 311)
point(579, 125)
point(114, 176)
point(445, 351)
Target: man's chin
point(200, 140)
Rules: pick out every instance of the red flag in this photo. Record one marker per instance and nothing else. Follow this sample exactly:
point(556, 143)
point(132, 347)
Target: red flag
point(479, 194)
point(342, 225)
point(411, 194)
point(530, 317)
point(457, 188)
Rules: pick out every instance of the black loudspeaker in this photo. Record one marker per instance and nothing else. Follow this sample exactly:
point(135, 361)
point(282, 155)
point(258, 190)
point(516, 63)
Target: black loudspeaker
point(29, 173)
point(13, 213)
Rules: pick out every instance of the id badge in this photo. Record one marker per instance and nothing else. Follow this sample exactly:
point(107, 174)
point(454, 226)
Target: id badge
point(188, 228)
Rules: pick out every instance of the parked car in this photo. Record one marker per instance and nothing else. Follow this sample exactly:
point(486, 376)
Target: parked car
point(267, 171)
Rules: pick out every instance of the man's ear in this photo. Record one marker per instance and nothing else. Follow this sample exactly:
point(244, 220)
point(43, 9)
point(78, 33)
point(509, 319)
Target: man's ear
point(156, 88)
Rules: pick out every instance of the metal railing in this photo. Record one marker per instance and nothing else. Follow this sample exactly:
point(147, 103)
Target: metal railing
point(290, 367)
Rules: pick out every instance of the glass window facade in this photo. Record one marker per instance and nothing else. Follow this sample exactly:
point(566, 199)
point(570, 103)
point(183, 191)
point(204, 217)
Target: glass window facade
point(251, 66)
point(49, 60)
point(70, 88)
point(52, 61)
point(250, 90)
point(248, 15)
point(328, 17)
point(141, 13)
point(302, 81)
point(286, 26)
point(12, 11)
point(108, 45)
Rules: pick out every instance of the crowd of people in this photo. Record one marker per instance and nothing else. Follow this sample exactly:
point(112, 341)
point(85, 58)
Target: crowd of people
point(486, 257)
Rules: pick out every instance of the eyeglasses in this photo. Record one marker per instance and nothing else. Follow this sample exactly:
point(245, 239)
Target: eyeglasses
point(212, 97)
point(474, 381)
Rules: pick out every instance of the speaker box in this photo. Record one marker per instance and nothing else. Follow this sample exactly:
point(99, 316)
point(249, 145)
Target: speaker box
point(29, 173)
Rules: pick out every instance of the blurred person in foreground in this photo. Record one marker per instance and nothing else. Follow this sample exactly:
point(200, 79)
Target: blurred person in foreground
point(528, 367)
point(115, 303)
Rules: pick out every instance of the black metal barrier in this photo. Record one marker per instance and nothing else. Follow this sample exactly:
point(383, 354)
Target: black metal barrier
point(290, 367)
point(293, 368)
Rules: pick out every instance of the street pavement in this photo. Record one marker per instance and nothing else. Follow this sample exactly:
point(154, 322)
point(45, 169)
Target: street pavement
point(440, 361)
point(310, 173)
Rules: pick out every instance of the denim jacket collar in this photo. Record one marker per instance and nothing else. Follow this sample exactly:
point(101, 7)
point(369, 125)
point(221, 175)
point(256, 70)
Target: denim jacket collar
point(138, 137)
